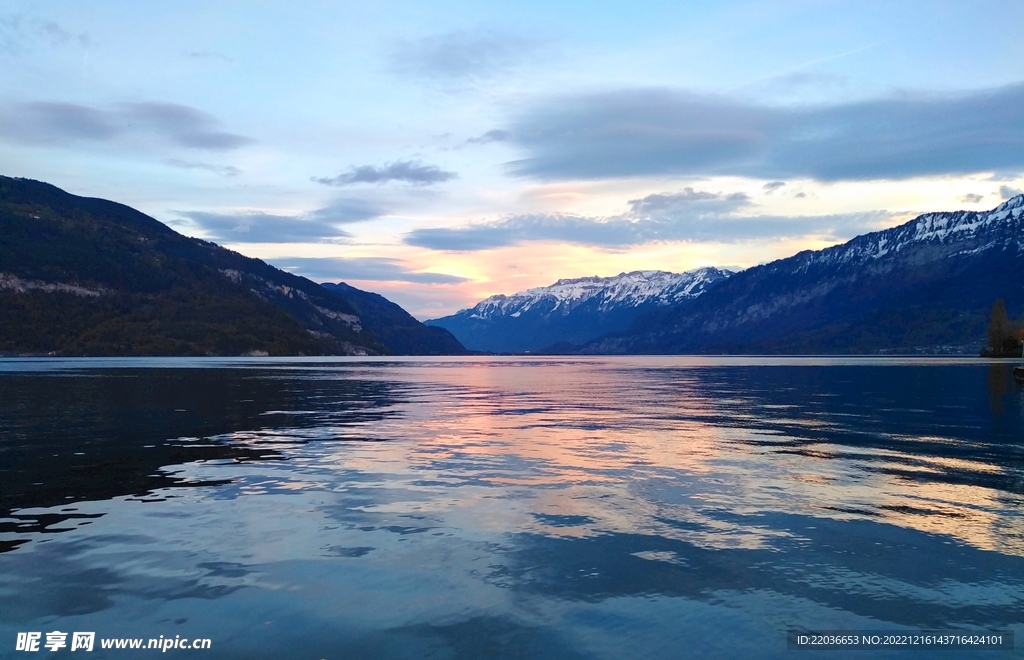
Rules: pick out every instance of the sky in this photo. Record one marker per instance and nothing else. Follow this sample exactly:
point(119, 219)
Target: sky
point(439, 153)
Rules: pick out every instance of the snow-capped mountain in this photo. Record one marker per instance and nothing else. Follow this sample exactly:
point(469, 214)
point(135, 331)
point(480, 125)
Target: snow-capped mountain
point(625, 289)
point(952, 233)
point(574, 310)
point(924, 285)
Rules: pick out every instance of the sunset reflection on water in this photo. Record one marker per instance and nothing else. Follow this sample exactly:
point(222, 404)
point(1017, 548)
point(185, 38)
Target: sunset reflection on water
point(411, 505)
point(561, 427)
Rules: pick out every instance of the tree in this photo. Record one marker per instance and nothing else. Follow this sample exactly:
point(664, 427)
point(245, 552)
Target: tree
point(998, 327)
point(1004, 335)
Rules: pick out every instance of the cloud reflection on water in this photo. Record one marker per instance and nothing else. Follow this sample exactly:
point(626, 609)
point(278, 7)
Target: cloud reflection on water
point(408, 503)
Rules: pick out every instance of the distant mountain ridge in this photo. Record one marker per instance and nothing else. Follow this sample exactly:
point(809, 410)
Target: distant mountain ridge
point(574, 310)
point(924, 286)
point(85, 276)
point(400, 332)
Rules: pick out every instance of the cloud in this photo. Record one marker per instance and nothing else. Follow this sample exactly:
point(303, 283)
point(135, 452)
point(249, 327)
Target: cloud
point(662, 132)
point(263, 228)
point(686, 216)
point(462, 56)
point(348, 209)
point(621, 232)
point(314, 227)
point(496, 135)
point(690, 201)
point(1006, 192)
point(182, 125)
point(61, 124)
point(408, 171)
point(58, 36)
point(802, 79)
point(772, 186)
point(972, 198)
point(221, 170)
point(366, 268)
point(17, 34)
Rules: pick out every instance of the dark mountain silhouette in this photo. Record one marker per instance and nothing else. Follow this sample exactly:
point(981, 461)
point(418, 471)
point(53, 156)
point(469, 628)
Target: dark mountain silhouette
point(400, 332)
point(83, 276)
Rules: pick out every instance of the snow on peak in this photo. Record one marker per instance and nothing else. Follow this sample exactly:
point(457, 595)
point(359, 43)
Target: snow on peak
point(959, 230)
point(625, 289)
point(958, 225)
point(1015, 202)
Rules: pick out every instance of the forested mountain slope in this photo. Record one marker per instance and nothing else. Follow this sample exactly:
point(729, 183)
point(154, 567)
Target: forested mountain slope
point(83, 276)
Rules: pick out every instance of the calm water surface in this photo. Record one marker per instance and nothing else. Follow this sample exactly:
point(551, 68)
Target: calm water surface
point(507, 508)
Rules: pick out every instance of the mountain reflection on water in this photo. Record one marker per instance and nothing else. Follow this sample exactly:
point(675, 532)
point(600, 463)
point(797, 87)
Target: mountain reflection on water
point(500, 507)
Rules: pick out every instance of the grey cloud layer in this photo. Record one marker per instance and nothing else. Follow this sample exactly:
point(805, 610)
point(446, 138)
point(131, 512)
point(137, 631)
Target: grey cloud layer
point(317, 226)
point(497, 135)
point(407, 171)
point(263, 228)
point(658, 132)
point(622, 232)
point(348, 209)
point(58, 36)
point(65, 123)
point(462, 55)
point(692, 202)
point(686, 216)
point(368, 268)
point(222, 170)
point(17, 32)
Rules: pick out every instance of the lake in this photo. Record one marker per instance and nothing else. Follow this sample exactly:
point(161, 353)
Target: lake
point(655, 507)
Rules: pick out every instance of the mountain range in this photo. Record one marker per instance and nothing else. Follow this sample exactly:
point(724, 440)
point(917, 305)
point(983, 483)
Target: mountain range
point(573, 311)
point(926, 286)
point(84, 276)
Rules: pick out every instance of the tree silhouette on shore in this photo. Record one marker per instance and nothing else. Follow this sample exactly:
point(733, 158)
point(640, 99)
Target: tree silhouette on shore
point(1004, 335)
